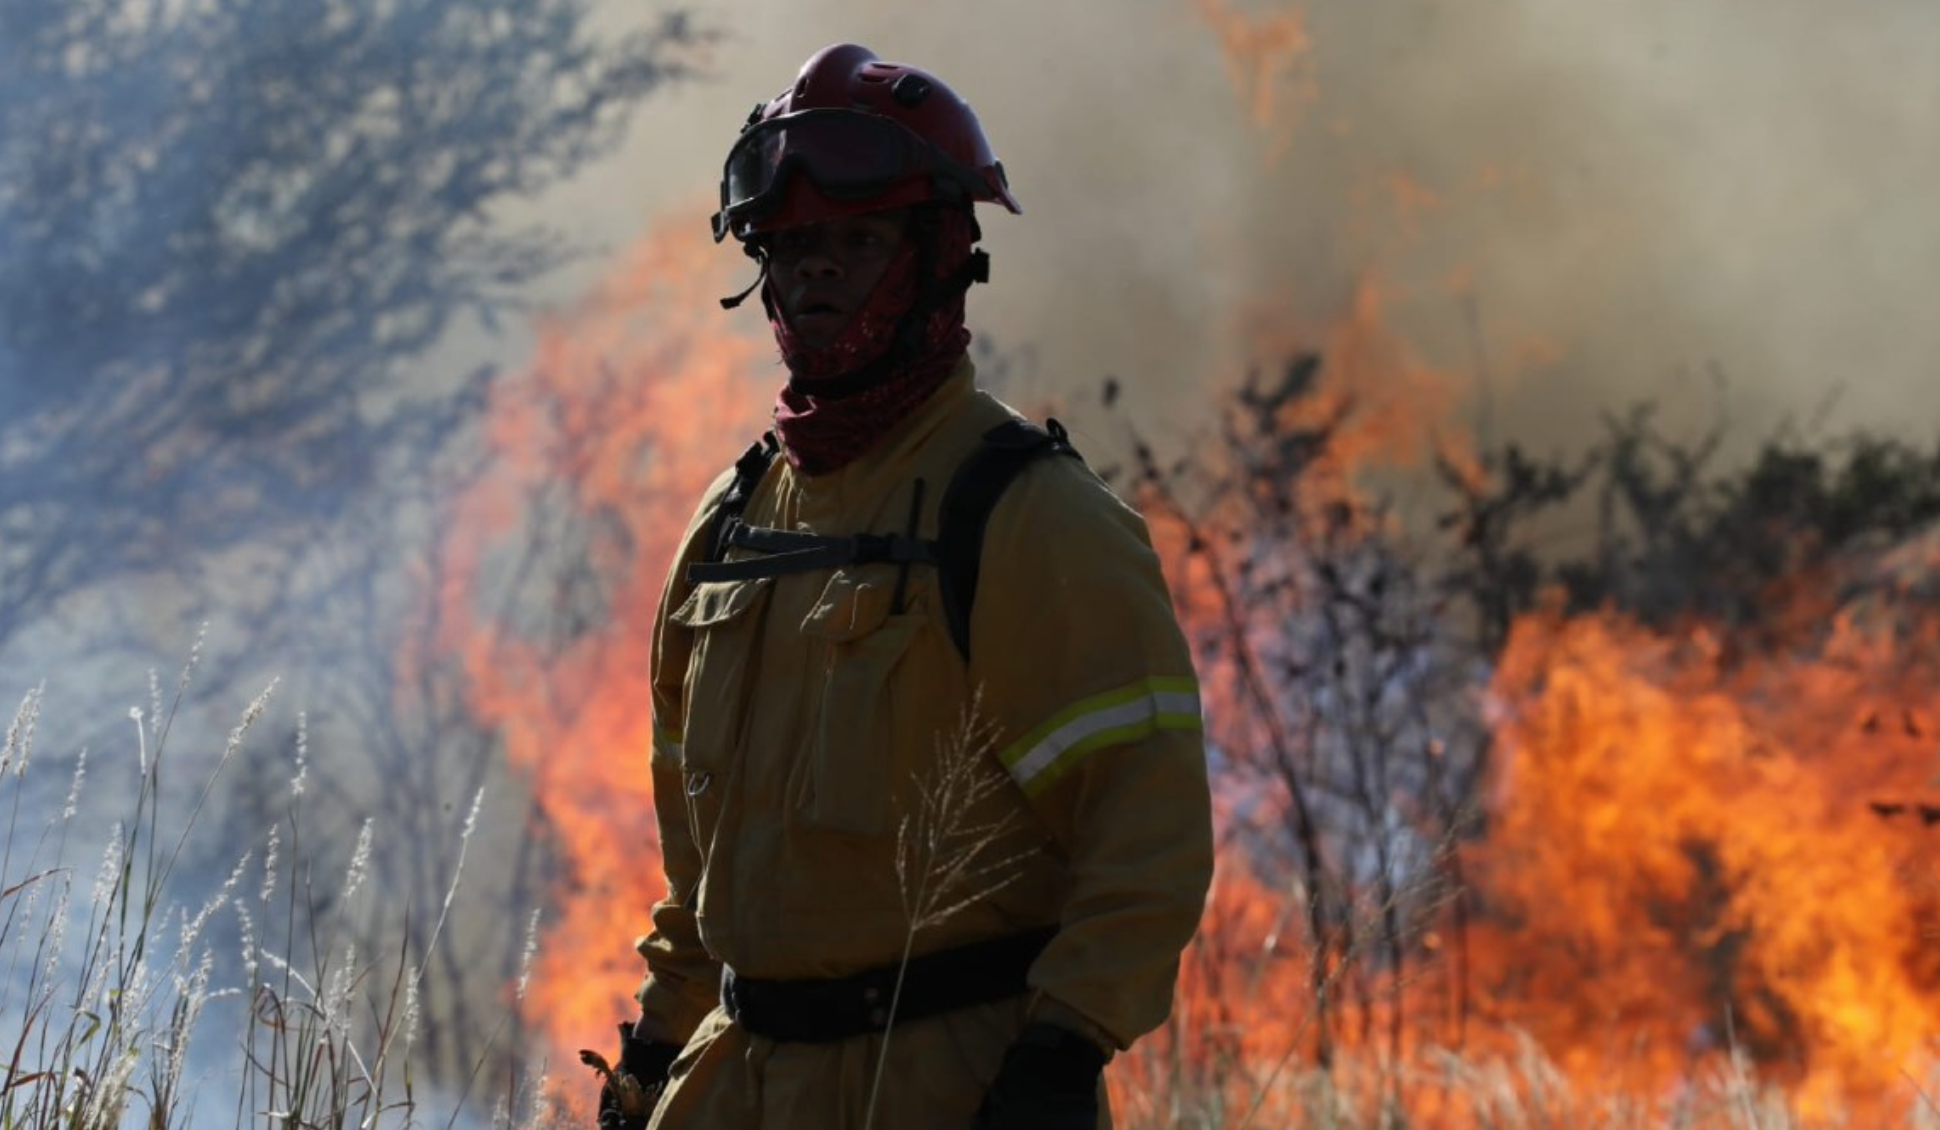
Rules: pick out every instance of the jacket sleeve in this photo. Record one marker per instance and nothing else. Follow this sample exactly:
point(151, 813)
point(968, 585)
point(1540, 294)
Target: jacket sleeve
point(683, 981)
point(1084, 669)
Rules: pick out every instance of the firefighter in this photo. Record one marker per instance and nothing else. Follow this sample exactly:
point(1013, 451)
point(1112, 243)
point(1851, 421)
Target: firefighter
point(928, 764)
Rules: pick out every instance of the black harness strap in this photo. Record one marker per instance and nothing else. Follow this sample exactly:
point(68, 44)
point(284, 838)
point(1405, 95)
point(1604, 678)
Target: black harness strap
point(973, 493)
point(957, 551)
point(748, 473)
point(785, 552)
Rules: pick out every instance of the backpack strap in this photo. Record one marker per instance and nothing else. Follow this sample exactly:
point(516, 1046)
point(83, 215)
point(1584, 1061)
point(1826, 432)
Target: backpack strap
point(974, 490)
point(957, 551)
point(748, 473)
point(780, 552)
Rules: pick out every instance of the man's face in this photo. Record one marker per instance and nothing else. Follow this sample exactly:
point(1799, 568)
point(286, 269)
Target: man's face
point(825, 272)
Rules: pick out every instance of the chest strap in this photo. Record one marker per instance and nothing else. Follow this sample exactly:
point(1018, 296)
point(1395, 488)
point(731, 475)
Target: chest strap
point(956, 553)
point(785, 551)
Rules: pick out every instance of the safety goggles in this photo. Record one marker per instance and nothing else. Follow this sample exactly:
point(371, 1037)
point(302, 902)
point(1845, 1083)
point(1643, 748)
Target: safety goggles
point(849, 155)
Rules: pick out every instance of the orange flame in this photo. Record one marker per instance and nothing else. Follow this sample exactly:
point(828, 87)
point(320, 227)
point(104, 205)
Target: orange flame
point(635, 399)
point(1694, 839)
point(1692, 836)
point(1395, 408)
point(1267, 56)
point(1684, 849)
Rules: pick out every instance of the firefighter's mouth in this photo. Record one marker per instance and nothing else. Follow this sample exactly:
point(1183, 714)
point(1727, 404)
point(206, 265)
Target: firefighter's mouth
point(820, 318)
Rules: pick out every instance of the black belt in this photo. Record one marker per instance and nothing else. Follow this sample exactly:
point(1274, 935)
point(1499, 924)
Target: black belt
point(821, 1012)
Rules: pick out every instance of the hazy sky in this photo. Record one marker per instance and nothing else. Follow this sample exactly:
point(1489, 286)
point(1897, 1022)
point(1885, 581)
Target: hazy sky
point(1597, 201)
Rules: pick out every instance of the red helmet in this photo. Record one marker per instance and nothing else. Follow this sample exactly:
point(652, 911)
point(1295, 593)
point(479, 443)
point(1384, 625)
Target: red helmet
point(864, 135)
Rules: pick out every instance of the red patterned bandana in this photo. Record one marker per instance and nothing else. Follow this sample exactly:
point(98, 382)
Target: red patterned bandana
point(824, 431)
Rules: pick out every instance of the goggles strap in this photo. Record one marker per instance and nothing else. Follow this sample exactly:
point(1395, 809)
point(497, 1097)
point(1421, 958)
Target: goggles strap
point(933, 292)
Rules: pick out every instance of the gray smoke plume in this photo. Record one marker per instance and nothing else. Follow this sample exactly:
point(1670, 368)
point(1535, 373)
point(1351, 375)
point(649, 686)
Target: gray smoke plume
point(1641, 196)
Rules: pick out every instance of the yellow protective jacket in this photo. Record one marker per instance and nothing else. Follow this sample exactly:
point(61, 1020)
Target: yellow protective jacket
point(800, 720)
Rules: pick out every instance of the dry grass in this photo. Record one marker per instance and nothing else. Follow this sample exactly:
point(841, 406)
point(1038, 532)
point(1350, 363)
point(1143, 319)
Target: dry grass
point(1176, 1085)
point(107, 987)
point(1443, 1091)
point(116, 997)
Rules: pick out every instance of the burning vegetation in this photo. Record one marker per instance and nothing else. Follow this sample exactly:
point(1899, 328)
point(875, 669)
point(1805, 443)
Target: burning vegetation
point(1642, 810)
point(1586, 804)
point(557, 557)
point(1649, 806)
point(1581, 794)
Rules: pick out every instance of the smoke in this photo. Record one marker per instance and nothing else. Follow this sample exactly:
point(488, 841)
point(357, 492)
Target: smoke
point(1588, 204)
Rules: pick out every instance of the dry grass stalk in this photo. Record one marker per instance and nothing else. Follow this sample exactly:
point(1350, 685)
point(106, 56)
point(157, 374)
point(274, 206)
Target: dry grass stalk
point(948, 856)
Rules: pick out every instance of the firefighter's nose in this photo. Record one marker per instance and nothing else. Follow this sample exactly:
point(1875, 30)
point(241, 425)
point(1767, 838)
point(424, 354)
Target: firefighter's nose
point(818, 264)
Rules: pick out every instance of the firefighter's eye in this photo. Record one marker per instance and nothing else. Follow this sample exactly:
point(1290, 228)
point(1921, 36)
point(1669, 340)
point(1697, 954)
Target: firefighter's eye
point(871, 239)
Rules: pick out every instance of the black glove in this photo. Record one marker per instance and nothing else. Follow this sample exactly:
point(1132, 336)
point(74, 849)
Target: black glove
point(629, 1091)
point(1048, 1081)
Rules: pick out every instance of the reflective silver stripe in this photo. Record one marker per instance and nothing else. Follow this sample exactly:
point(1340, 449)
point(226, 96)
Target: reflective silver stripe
point(1113, 718)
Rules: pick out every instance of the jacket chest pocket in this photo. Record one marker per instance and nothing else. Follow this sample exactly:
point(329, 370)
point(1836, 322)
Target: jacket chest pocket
point(725, 618)
point(861, 731)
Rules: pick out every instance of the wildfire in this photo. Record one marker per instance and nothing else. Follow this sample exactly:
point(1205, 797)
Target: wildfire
point(1683, 852)
point(1695, 843)
point(1692, 840)
point(635, 399)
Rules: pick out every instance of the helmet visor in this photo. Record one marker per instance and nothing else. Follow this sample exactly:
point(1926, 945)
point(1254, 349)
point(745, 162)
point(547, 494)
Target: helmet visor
point(849, 155)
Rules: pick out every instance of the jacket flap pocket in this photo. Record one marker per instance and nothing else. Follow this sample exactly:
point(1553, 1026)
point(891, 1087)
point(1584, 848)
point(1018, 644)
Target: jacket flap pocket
point(850, 607)
point(713, 603)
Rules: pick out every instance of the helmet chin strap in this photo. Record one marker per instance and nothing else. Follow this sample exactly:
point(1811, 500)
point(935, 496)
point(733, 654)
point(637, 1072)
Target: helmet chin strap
point(910, 328)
